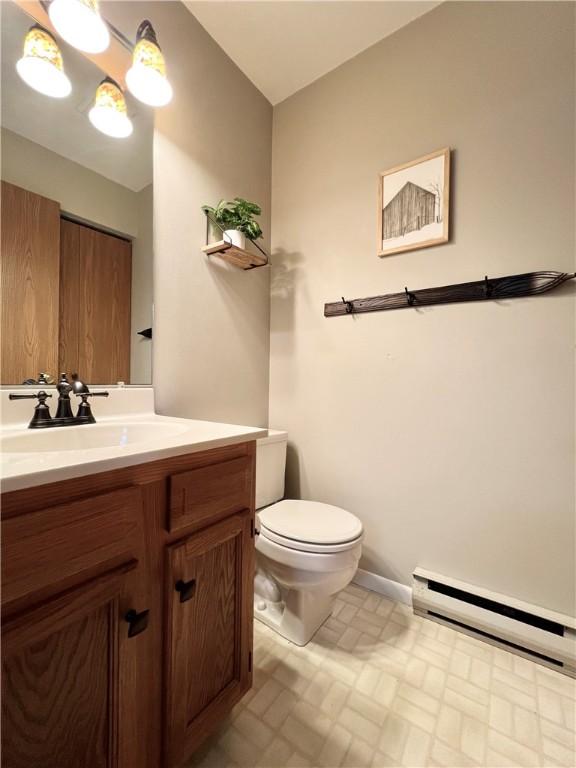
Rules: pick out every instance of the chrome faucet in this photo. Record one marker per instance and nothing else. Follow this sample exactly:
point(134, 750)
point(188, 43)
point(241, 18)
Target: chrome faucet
point(64, 416)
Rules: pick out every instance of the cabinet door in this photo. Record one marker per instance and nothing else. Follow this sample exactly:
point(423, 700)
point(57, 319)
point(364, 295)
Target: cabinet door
point(209, 643)
point(63, 679)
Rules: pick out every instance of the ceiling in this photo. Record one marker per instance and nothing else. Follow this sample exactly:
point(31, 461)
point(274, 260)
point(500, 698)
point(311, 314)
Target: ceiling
point(62, 125)
point(281, 45)
point(284, 45)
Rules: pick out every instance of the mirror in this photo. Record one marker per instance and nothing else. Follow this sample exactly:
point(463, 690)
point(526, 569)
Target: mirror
point(77, 248)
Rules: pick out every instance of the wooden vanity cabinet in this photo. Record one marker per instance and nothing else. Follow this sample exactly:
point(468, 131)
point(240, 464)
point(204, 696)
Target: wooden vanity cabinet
point(127, 637)
point(209, 640)
point(69, 575)
point(63, 679)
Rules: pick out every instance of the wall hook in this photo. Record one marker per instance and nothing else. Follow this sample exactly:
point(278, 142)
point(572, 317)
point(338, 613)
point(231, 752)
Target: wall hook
point(487, 287)
point(349, 306)
point(410, 296)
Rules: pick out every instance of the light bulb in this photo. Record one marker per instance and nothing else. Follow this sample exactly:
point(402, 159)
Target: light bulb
point(41, 64)
point(146, 78)
point(80, 24)
point(108, 114)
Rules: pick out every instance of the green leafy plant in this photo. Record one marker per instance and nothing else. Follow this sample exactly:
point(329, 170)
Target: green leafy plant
point(237, 214)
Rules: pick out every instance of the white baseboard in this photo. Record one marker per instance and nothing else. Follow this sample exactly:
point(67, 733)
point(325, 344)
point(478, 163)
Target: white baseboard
point(393, 590)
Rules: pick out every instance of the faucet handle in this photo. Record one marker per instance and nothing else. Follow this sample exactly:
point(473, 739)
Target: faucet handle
point(84, 395)
point(41, 416)
point(41, 396)
point(84, 411)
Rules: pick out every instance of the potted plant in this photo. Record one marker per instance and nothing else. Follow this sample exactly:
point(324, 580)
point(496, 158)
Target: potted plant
point(236, 218)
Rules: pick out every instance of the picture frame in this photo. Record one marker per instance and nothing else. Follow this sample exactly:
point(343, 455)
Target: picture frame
point(414, 204)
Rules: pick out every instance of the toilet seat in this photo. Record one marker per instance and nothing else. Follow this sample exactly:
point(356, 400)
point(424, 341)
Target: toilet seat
point(310, 526)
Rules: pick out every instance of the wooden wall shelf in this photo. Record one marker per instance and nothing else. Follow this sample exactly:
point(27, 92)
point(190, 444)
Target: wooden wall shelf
point(239, 257)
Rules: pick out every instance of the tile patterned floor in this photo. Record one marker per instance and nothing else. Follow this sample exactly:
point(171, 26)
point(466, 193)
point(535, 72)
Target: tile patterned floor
point(378, 686)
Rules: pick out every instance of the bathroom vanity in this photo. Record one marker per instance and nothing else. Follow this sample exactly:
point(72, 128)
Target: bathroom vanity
point(127, 591)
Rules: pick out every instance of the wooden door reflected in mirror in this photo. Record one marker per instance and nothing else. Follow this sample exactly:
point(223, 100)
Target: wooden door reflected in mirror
point(66, 294)
point(94, 316)
point(30, 244)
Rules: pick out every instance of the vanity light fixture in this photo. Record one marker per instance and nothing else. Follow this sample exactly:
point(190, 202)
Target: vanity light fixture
point(146, 78)
point(41, 64)
point(80, 24)
point(108, 114)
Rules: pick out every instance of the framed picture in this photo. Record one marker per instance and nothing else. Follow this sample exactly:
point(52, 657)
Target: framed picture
point(414, 204)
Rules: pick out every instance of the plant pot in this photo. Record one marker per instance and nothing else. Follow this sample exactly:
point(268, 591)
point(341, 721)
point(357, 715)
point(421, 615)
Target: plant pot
point(235, 237)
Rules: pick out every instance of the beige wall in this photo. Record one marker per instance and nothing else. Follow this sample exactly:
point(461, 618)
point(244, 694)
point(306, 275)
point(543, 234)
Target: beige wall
point(449, 430)
point(142, 290)
point(211, 328)
point(80, 191)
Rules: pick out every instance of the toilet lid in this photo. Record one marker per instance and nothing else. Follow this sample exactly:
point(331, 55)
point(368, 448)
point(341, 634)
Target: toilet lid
point(311, 522)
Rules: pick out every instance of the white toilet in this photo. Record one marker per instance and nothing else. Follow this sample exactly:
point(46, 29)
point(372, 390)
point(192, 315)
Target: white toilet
point(306, 551)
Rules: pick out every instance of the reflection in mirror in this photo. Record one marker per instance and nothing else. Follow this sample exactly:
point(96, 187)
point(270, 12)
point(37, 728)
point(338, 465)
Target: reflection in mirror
point(76, 227)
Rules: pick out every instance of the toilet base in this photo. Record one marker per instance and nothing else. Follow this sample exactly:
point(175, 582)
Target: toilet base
point(297, 616)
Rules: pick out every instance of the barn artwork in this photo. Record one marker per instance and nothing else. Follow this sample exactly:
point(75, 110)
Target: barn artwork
point(414, 203)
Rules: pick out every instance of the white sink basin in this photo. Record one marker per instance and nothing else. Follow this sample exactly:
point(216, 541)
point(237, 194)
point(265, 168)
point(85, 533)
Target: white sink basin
point(88, 436)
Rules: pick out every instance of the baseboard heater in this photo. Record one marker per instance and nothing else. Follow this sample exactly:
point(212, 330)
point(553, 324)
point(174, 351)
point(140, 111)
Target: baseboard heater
point(536, 633)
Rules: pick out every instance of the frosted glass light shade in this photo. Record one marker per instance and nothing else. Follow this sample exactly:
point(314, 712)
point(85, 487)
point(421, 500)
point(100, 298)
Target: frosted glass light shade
point(80, 24)
point(41, 64)
point(146, 78)
point(108, 114)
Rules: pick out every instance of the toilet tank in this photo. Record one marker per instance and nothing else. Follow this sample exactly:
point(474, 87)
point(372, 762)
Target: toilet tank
point(270, 467)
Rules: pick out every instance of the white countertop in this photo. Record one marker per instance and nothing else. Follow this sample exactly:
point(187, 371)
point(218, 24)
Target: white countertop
point(23, 469)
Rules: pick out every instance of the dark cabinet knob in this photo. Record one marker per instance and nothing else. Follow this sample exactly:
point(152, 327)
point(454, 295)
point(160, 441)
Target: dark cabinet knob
point(186, 589)
point(137, 622)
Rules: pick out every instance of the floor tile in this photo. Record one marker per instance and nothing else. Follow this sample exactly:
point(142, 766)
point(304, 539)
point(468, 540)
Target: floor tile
point(378, 686)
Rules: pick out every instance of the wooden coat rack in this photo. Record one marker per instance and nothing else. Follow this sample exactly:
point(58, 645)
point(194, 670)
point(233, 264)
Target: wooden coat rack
point(489, 289)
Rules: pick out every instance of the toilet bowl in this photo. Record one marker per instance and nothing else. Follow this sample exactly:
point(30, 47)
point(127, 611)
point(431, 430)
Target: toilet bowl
point(306, 551)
